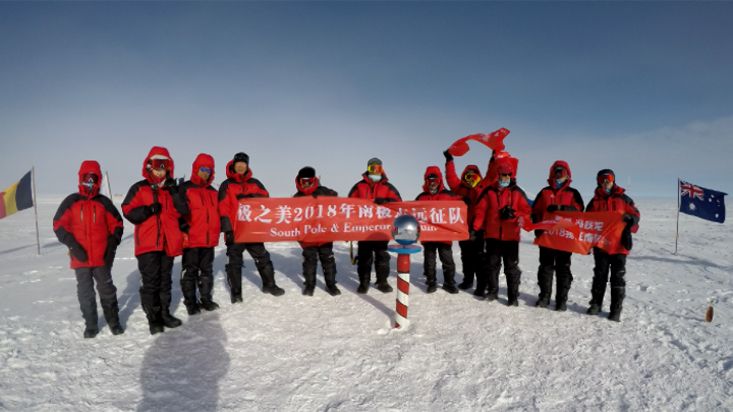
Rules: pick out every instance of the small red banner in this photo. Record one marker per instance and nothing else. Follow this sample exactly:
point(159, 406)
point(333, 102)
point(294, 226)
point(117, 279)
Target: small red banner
point(579, 232)
point(327, 219)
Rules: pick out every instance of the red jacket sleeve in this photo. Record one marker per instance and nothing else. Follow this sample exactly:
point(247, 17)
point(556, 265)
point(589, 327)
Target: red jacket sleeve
point(454, 182)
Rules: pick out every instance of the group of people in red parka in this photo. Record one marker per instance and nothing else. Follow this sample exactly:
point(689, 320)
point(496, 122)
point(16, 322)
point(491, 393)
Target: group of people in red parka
point(175, 218)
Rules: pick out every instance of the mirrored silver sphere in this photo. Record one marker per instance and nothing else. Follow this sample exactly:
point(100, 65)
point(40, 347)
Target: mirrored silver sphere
point(406, 230)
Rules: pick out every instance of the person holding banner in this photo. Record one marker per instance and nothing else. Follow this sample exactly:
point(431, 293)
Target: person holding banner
point(241, 185)
point(466, 187)
point(308, 184)
point(154, 205)
point(558, 196)
point(201, 236)
point(433, 189)
point(501, 208)
point(611, 197)
point(89, 224)
point(376, 187)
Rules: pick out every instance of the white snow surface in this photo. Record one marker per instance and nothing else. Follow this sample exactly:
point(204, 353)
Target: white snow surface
point(341, 353)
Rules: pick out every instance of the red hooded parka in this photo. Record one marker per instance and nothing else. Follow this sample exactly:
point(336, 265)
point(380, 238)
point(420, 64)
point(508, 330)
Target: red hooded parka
point(89, 219)
point(155, 232)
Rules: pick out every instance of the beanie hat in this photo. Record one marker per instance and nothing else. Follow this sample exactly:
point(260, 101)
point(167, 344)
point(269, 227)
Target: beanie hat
point(374, 160)
point(306, 172)
point(241, 157)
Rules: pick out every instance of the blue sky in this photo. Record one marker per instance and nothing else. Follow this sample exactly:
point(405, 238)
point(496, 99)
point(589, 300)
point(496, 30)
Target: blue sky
point(643, 88)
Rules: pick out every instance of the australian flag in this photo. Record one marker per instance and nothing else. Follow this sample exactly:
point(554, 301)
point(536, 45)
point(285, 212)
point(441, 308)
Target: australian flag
point(701, 202)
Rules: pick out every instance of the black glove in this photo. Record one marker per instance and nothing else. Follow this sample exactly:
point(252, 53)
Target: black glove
point(553, 208)
point(629, 219)
point(568, 209)
point(476, 235)
point(78, 251)
point(111, 251)
point(154, 209)
point(626, 240)
point(448, 156)
point(507, 213)
point(184, 226)
point(228, 238)
point(170, 185)
point(314, 194)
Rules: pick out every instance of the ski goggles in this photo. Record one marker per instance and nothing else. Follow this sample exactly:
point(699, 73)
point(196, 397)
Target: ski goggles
point(608, 178)
point(375, 169)
point(307, 181)
point(204, 169)
point(471, 179)
point(560, 172)
point(159, 164)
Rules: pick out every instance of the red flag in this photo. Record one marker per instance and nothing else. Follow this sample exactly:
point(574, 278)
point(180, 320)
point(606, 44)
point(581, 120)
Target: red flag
point(579, 232)
point(493, 140)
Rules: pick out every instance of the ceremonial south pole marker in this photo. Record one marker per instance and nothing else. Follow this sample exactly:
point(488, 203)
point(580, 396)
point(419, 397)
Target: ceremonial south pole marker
point(405, 231)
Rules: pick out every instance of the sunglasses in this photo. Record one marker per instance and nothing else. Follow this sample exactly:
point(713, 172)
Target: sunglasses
point(505, 174)
point(205, 170)
point(90, 178)
point(375, 169)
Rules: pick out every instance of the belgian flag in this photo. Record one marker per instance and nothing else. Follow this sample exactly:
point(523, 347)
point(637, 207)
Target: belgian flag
point(17, 197)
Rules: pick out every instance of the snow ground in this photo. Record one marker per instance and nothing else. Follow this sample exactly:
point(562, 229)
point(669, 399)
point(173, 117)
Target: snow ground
point(340, 353)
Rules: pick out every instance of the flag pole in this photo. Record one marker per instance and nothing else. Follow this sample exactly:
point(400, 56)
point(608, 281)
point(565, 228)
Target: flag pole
point(35, 209)
point(109, 186)
point(677, 235)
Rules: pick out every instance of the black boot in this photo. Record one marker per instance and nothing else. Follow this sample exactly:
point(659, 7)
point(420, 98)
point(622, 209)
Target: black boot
point(332, 289)
point(329, 275)
point(90, 332)
point(383, 286)
point(188, 287)
point(308, 289)
point(206, 284)
point(617, 297)
point(466, 284)
point(169, 321)
point(208, 304)
point(268, 281)
point(432, 286)
point(544, 281)
point(155, 322)
point(192, 309)
point(450, 288)
point(363, 287)
point(598, 290)
point(513, 290)
point(234, 279)
point(111, 315)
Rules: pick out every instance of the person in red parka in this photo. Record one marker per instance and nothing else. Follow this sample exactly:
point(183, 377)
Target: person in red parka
point(611, 197)
point(241, 185)
point(558, 196)
point(433, 189)
point(154, 205)
point(498, 214)
point(466, 187)
point(375, 186)
point(89, 224)
point(201, 237)
point(309, 185)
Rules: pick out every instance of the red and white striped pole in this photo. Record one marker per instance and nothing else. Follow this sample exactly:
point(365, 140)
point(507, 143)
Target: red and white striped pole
point(406, 231)
point(403, 290)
